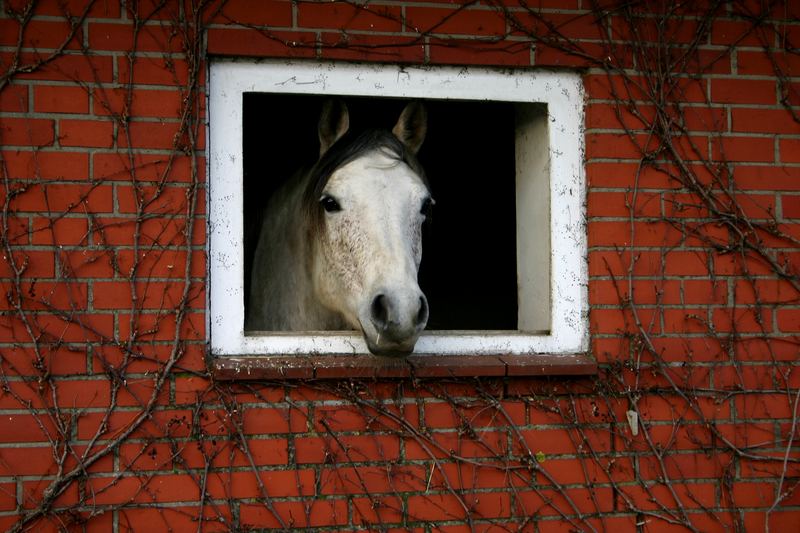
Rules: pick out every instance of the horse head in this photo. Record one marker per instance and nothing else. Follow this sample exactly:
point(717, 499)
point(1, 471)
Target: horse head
point(367, 205)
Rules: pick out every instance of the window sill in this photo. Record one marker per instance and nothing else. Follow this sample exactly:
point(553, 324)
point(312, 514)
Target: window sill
point(229, 368)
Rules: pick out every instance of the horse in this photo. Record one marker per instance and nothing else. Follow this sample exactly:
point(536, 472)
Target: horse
point(340, 244)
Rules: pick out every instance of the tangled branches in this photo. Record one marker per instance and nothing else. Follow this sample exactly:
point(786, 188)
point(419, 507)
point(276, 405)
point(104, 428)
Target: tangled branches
point(110, 417)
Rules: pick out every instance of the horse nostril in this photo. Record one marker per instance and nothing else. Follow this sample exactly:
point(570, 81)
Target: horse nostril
point(380, 311)
point(422, 314)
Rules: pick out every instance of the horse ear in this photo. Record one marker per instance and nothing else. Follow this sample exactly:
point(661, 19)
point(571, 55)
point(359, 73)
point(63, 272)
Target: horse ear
point(333, 123)
point(412, 126)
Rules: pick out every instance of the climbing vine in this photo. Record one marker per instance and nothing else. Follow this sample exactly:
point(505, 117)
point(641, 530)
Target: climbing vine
point(698, 388)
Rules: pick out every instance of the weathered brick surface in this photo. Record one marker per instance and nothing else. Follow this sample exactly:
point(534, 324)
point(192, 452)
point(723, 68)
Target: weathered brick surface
point(103, 282)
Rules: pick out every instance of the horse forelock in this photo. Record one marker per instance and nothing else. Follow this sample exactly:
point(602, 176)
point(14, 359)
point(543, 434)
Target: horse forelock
point(349, 148)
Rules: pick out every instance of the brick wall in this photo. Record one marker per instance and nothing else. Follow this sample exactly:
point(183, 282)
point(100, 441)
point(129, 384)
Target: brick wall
point(110, 420)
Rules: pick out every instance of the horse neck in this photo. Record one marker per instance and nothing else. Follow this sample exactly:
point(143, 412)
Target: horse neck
point(292, 283)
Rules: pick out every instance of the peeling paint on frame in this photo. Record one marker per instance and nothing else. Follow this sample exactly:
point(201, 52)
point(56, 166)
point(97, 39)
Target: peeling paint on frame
point(562, 92)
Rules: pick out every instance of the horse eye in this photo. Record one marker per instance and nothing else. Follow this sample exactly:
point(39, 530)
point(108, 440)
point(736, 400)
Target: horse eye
point(427, 207)
point(330, 204)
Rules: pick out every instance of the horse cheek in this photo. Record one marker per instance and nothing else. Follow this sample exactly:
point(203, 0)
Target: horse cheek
point(341, 280)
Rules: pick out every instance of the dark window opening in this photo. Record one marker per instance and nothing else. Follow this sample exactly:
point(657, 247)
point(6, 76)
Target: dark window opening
point(469, 266)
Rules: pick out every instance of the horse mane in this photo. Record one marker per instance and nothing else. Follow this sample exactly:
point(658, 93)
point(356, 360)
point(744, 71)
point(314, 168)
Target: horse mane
point(349, 148)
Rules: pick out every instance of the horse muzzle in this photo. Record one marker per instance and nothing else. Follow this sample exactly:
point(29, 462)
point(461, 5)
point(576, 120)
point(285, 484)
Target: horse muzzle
point(393, 322)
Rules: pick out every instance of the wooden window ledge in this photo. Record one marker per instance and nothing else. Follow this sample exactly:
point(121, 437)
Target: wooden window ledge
point(226, 367)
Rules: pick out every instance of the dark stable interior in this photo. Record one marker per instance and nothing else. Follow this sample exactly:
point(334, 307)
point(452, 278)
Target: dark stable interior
point(468, 270)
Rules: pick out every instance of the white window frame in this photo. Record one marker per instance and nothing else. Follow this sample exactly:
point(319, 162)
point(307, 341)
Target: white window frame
point(562, 162)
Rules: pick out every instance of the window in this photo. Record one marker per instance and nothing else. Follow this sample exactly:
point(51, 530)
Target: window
point(504, 157)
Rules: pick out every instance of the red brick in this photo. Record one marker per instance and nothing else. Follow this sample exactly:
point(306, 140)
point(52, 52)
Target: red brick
point(765, 291)
point(26, 131)
point(143, 103)
point(778, 520)
point(14, 99)
point(60, 231)
point(387, 478)
point(158, 488)
point(449, 443)
point(272, 420)
point(117, 37)
point(618, 233)
point(173, 422)
point(763, 406)
point(47, 295)
point(724, 31)
point(73, 8)
point(789, 150)
point(278, 483)
point(557, 56)
point(615, 321)
point(154, 199)
point(768, 178)
point(162, 231)
point(754, 206)
point(462, 21)
point(161, 327)
point(249, 43)
point(788, 320)
point(162, 264)
point(471, 476)
point(266, 13)
point(606, 174)
point(26, 428)
point(692, 495)
point(773, 467)
point(349, 16)
point(648, 292)
point(790, 206)
point(743, 320)
point(359, 47)
point(753, 494)
point(40, 34)
point(614, 145)
point(33, 492)
point(56, 361)
point(60, 99)
point(751, 62)
point(605, 87)
point(146, 167)
point(296, 515)
point(8, 498)
point(180, 518)
point(155, 71)
point(33, 263)
point(149, 295)
point(617, 204)
point(377, 511)
point(71, 68)
point(89, 133)
point(472, 52)
point(156, 135)
point(680, 263)
point(705, 118)
point(738, 149)
point(770, 121)
point(619, 116)
point(435, 507)
point(572, 26)
point(705, 292)
point(743, 91)
point(46, 165)
point(772, 349)
point(356, 449)
point(59, 198)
